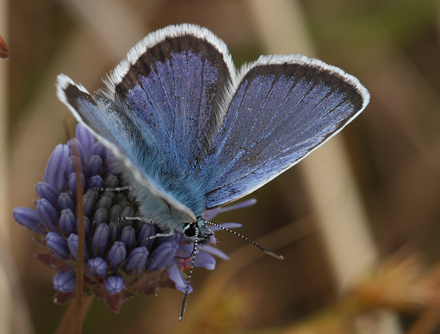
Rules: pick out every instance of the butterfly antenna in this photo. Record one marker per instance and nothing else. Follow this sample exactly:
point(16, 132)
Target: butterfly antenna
point(182, 311)
point(268, 252)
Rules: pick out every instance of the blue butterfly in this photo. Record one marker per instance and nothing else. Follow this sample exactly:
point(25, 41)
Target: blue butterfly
point(194, 134)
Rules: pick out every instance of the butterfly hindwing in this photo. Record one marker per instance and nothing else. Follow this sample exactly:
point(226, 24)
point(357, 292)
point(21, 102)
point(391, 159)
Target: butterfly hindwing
point(114, 135)
point(284, 108)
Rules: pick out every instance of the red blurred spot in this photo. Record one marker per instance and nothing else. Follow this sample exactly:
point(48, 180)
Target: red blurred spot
point(3, 49)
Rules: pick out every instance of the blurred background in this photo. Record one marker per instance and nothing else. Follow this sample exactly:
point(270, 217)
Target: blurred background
point(338, 217)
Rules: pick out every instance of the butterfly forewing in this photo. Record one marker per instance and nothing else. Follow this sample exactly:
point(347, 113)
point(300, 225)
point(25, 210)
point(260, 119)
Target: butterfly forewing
point(284, 108)
point(161, 110)
point(173, 89)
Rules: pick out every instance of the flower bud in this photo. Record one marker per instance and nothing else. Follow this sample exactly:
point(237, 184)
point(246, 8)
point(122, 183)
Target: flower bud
point(114, 284)
point(58, 245)
point(47, 191)
point(72, 183)
point(67, 222)
point(95, 181)
point(65, 201)
point(136, 260)
point(128, 237)
point(56, 167)
point(72, 243)
point(100, 217)
point(99, 149)
point(93, 166)
point(86, 139)
point(65, 281)
point(104, 202)
point(47, 213)
point(88, 204)
point(162, 256)
point(100, 240)
point(98, 267)
point(116, 255)
point(28, 218)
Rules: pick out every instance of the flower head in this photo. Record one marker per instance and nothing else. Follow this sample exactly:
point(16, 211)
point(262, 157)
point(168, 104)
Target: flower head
point(119, 258)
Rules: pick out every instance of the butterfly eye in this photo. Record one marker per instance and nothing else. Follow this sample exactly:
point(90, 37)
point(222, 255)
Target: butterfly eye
point(190, 230)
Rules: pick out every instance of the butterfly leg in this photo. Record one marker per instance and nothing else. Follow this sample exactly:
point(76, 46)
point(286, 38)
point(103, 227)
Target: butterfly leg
point(112, 189)
point(168, 233)
point(146, 220)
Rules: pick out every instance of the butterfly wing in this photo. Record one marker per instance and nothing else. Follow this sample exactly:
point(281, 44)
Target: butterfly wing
point(160, 112)
point(283, 108)
point(173, 83)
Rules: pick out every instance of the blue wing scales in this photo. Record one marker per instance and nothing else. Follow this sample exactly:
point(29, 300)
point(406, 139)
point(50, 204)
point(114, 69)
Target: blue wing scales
point(160, 112)
point(283, 109)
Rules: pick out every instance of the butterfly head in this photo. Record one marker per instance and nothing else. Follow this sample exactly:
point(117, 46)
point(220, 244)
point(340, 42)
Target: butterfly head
point(197, 230)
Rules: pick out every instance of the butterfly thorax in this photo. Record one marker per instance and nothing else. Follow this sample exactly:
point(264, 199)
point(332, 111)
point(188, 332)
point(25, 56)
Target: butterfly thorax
point(165, 216)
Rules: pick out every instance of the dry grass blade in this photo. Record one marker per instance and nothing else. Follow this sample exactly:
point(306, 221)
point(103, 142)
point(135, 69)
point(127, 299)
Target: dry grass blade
point(81, 242)
point(4, 51)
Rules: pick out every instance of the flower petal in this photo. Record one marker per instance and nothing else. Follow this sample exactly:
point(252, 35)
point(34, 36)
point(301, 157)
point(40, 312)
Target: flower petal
point(175, 275)
point(214, 251)
point(204, 260)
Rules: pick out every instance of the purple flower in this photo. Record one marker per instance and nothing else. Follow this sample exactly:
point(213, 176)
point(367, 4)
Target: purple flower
point(47, 191)
point(72, 243)
point(100, 240)
point(28, 218)
point(128, 237)
point(94, 166)
point(47, 213)
point(58, 245)
point(136, 260)
point(100, 217)
point(118, 253)
point(72, 182)
point(99, 150)
point(114, 284)
point(163, 255)
point(95, 181)
point(88, 204)
point(56, 167)
point(64, 281)
point(98, 267)
point(65, 201)
point(86, 139)
point(67, 222)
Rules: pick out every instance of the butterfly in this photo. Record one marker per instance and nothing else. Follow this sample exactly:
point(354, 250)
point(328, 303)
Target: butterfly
point(194, 134)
